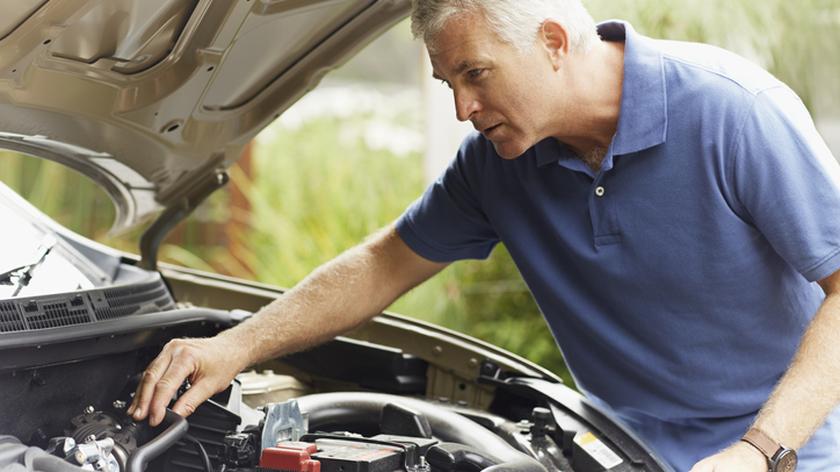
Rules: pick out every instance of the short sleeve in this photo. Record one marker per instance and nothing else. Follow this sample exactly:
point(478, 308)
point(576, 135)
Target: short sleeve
point(447, 222)
point(788, 183)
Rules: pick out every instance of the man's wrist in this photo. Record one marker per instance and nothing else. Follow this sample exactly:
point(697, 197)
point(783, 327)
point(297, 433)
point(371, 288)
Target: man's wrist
point(752, 455)
point(777, 457)
point(240, 351)
point(754, 452)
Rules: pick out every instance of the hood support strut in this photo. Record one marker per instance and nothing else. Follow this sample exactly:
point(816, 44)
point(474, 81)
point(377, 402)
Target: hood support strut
point(174, 214)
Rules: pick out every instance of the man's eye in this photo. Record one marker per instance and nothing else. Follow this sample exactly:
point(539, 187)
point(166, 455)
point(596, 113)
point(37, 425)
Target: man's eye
point(475, 73)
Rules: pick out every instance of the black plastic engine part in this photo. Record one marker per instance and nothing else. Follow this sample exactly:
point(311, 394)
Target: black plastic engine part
point(211, 422)
point(451, 457)
point(32, 408)
point(84, 306)
point(399, 420)
point(242, 449)
point(369, 365)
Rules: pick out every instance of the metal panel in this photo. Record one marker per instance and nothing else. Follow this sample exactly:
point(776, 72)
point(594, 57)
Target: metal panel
point(15, 12)
point(272, 41)
point(138, 34)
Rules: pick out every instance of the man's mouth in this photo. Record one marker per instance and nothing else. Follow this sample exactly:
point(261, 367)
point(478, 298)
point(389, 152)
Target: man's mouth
point(490, 129)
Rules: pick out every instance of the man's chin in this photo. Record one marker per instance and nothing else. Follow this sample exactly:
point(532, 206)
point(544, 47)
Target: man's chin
point(508, 150)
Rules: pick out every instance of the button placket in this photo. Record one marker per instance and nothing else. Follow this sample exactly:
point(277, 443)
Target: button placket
point(604, 228)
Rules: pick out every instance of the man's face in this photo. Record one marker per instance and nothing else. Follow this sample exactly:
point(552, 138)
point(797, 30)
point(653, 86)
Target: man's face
point(500, 89)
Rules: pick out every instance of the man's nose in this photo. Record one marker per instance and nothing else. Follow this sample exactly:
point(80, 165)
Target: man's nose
point(465, 105)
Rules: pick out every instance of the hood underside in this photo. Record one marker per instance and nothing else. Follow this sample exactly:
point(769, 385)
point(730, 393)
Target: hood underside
point(154, 98)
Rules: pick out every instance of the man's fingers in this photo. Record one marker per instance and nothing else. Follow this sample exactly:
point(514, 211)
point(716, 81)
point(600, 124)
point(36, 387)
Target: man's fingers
point(180, 359)
point(143, 396)
point(167, 386)
point(194, 396)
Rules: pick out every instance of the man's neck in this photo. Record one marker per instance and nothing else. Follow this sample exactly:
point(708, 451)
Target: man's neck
point(594, 158)
point(596, 106)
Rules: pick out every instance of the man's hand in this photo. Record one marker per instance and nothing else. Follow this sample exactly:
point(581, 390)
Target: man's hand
point(209, 364)
point(740, 457)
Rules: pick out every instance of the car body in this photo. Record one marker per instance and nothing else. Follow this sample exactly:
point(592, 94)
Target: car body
point(154, 100)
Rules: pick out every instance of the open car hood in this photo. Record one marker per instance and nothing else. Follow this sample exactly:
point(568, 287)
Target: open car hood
point(155, 99)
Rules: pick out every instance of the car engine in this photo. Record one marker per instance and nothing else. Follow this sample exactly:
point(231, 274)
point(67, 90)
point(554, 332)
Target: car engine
point(322, 432)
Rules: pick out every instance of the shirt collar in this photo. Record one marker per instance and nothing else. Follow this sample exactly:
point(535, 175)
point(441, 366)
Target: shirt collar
point(643, 118)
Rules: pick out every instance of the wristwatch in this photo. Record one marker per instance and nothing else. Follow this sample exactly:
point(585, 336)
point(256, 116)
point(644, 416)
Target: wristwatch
point(779, 458)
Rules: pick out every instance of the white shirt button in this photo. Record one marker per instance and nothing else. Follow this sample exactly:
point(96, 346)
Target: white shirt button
point(599, 191)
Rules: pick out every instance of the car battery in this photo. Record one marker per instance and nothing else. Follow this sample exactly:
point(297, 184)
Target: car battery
point(348, 454)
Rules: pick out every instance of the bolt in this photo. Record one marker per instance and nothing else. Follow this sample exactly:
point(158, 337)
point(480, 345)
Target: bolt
point(91, 438)
point(437, 350)
point(119, 404)
point(80, 457)
point(89, 409)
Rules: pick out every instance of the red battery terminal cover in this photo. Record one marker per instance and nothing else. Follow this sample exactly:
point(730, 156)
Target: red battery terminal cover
point(290, 456)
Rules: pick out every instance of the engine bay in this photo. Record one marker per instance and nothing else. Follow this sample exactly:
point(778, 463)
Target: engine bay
point(346, 406)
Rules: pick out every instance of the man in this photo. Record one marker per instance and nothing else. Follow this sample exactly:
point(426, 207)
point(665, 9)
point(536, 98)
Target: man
point(670, 205)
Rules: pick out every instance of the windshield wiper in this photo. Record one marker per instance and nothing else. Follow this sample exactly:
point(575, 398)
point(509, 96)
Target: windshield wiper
point(20, 276)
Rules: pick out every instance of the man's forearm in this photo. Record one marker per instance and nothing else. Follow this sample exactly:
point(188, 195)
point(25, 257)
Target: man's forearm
point(811, 387)
point(335, 298)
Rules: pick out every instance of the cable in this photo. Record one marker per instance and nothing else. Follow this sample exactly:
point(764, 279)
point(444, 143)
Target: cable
point(208, 467)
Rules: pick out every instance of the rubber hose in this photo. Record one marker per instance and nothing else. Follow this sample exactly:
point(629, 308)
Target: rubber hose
point(360, 407)
point(176, 429)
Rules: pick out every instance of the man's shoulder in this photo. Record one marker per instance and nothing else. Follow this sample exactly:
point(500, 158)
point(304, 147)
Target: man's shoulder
point(713, 65)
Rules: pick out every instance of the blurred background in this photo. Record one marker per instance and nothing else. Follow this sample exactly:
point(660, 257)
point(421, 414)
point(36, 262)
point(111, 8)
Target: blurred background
point(350, 156)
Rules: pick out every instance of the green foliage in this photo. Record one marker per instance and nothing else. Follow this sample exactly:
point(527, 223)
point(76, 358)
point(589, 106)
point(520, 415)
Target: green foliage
point(795, 40)
point(60, 192)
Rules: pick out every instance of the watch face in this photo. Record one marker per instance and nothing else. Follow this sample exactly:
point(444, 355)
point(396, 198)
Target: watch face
point(785, 461)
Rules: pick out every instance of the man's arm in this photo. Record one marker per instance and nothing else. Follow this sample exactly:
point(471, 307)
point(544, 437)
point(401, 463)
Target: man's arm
point(336, 297)
point(806, 394)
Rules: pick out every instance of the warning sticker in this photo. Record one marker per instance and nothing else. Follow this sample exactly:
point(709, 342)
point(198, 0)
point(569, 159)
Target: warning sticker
point(597, 450)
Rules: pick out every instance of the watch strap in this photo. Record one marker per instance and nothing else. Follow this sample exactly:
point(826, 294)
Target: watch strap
point(761, 441)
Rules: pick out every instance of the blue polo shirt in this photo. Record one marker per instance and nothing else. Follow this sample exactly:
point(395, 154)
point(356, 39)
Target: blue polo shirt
point(679, 278)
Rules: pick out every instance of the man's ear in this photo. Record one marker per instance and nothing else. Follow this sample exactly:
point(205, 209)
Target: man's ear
point(554, 40)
